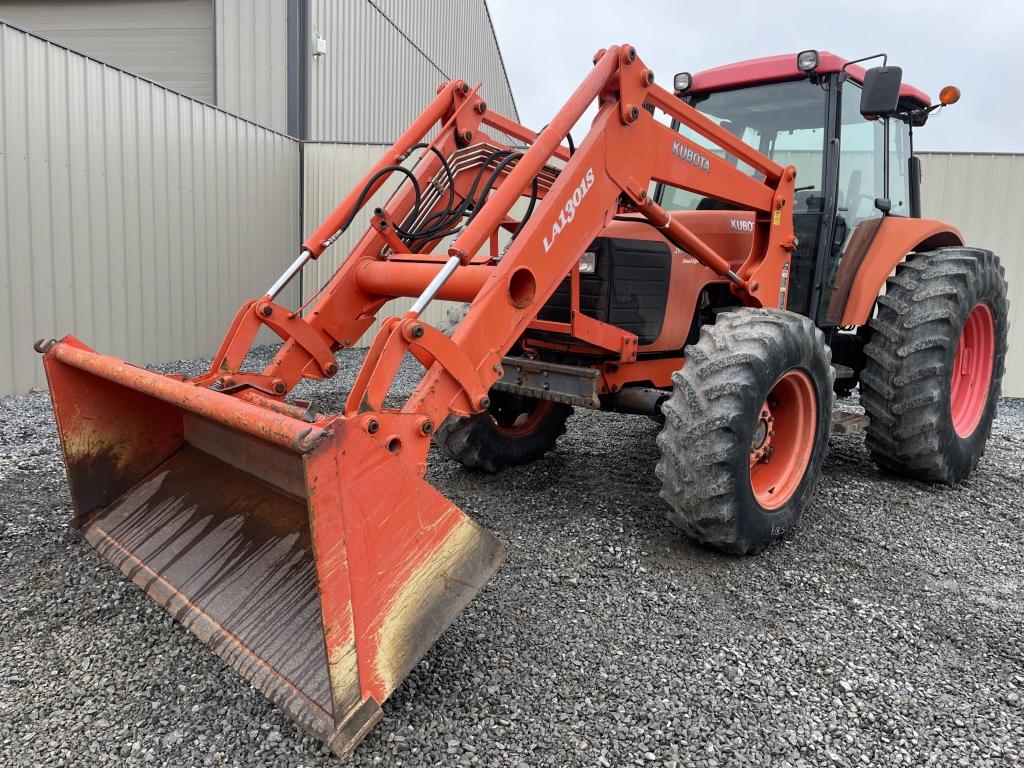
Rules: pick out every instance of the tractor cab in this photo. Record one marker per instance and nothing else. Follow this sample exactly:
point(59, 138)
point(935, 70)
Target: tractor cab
point(847, 131)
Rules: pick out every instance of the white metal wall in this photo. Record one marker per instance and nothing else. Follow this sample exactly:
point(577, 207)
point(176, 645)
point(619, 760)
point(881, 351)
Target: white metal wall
point(169, 41)
point(983, 195)
point(385, 59)
point(134, 217)
point(252, 60)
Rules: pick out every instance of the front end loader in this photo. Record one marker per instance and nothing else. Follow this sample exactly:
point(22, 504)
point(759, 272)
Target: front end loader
point(308, 551)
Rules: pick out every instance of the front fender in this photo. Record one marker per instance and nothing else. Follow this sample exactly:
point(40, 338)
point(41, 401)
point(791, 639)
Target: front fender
point(874, 250)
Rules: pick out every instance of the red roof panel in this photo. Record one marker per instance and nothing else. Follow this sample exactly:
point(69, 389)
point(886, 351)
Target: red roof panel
point(774, 68)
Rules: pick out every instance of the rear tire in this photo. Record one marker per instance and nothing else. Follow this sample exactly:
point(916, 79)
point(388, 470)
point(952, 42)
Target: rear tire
point(757, 379)
point(926, 422)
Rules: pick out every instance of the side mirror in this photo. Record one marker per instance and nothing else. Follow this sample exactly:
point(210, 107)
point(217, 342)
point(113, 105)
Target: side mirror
point(881, 94)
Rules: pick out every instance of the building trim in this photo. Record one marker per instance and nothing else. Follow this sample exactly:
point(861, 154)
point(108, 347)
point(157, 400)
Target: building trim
point(975, 153)
point(501, 60)
point(215, 10)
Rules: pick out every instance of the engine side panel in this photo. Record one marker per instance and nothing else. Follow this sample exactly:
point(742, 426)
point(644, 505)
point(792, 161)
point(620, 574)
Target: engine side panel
point(644, 284)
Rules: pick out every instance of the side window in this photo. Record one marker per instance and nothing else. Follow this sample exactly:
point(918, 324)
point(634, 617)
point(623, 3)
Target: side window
point(899, 155)
point(801, 148)
point(860, 160)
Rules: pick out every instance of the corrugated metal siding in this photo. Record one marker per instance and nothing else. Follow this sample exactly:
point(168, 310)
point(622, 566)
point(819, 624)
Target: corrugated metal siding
point(131, 216)
point(385, 60)
point(459, 37)
point(169, 41)
point(252, 60)
point(983, 195)
point(331, 171)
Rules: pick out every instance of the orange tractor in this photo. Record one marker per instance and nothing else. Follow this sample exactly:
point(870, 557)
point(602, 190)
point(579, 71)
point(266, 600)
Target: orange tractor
point(714, 257)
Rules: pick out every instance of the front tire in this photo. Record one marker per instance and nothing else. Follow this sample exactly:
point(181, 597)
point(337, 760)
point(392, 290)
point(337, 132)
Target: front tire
point(514, 430)
point(746, 429)
point(935, 364)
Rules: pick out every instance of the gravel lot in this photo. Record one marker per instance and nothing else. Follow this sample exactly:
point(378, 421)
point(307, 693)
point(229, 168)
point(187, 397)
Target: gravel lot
point(889, 630)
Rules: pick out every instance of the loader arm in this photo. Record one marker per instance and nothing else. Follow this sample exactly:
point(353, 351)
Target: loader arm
point(609, 173)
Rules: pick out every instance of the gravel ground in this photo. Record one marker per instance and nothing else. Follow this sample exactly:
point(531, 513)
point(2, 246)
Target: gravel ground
point(887, 631)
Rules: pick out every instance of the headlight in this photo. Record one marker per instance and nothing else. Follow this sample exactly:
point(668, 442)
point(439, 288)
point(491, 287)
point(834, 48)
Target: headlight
point(588, 262)
point(807, 61)
point(682, 82)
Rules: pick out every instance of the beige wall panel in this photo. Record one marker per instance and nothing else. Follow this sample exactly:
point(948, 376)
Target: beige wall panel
point(133, 217)
point(983, 195)
point(252, 60)
point(384, 62)
point(169, 41)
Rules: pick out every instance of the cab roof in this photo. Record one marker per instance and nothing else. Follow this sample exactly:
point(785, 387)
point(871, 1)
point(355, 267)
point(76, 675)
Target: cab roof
point(775, 68)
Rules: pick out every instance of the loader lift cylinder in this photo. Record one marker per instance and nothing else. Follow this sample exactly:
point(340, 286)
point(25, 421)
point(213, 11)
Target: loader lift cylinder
point(286, 277)
point(434, 286)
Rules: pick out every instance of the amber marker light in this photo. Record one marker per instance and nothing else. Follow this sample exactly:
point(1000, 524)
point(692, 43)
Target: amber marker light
point(949, 95)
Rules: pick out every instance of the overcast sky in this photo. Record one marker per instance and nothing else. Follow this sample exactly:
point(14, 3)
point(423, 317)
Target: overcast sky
point(978, 46)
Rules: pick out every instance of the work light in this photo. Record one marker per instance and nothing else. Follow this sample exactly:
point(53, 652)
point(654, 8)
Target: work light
point(807, 61)
point(682, 82)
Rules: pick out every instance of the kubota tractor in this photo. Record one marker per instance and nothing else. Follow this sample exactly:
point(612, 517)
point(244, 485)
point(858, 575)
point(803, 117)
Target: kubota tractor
point(722, 257)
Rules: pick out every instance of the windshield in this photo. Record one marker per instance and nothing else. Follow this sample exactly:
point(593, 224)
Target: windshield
point(785, 121)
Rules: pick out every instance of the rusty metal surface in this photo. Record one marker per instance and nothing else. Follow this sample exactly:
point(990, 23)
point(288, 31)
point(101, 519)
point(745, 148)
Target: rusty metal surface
point(230, 558)
point(322, 573)
point(844, 422)
point(240, 415)
point(430, 598)
point(112, 436)
point(569, 384)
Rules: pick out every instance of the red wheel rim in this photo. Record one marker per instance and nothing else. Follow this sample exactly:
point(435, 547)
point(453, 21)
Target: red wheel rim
point(526, 422)
point(783, 439)
point(972, 370)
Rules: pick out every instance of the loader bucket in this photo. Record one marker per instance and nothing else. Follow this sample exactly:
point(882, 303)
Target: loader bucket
point(306, 556)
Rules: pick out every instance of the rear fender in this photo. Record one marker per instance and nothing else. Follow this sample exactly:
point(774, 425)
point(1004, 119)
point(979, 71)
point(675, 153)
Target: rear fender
point(869, 260)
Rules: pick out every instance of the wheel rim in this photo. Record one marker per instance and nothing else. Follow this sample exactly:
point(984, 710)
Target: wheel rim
point(783, 439)
point(523, 423)
point(972, 370)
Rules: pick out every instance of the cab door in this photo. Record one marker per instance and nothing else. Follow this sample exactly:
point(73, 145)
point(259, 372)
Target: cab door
point(858, 173)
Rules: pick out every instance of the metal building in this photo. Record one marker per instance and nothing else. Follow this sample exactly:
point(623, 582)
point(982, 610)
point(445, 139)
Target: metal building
point(166, 183)
point(352, 71)
point(983, 195)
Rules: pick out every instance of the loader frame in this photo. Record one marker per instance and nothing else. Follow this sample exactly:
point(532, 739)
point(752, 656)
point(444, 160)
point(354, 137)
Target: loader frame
point(609, 174)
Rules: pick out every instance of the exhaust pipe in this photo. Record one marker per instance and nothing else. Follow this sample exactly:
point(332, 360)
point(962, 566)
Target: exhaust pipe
point(645, 401)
